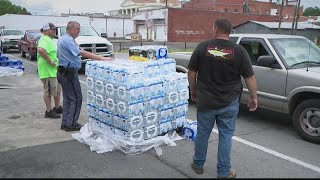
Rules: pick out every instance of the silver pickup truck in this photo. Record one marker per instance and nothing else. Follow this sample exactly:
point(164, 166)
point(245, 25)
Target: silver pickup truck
point(287, 69)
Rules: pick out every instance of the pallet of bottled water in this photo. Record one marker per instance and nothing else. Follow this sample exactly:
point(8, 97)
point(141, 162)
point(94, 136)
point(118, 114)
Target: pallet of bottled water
point(136, 101)
point(10, 67)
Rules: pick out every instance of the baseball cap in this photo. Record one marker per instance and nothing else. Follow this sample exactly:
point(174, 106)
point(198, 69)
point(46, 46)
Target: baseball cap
point(49, 26)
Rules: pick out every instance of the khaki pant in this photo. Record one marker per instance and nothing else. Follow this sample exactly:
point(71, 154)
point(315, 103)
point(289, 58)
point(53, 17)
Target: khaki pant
point(51, 86)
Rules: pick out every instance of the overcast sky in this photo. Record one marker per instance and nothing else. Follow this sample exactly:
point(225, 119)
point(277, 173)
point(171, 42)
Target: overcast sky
point(56, 7)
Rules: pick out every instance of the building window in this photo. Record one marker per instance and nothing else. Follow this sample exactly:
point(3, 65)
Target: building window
point(226, 10)
point(236, 10)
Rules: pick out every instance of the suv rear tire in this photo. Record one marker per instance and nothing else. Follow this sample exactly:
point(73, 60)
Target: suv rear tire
point(3, 49)
point(306, 120)
point(23, 54)
point(30, 56)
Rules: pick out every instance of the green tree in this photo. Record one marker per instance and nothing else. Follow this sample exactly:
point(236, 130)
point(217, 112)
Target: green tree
point(312, 11)
point(6, 7)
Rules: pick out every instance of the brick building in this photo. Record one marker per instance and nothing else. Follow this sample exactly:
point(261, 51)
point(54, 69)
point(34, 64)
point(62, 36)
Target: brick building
point(244, 6)
point(194, 25)
point(216, 5)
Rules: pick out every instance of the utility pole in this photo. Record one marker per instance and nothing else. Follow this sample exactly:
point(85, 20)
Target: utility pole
point(297, 18)
point(294, 18)
point(247, 6)
point(280, 18)
point(166, 3)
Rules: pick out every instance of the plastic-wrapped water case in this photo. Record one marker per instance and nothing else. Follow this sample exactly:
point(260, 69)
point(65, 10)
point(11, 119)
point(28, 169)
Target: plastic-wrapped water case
point(132, 122)
point(151, 117)
point(189, 131)
point(106, 116)
point(151, 131)
point(130, 92)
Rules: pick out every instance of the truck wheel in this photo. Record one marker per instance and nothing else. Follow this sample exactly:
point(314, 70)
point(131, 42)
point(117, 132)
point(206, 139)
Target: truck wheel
point(30, 55)
point(306, 120)
point(23, 54)
point(3, 49)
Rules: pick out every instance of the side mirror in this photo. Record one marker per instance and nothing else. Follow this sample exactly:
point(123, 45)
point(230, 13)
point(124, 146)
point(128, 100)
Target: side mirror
point(104, 35)
point(22, 38)
point(268, 61)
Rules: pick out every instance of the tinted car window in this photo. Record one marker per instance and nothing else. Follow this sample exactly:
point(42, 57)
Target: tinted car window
point(234, 39)
point(12, 32)
point(33, 35)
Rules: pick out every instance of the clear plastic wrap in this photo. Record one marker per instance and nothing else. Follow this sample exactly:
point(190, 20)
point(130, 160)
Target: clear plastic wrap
point(101, 142)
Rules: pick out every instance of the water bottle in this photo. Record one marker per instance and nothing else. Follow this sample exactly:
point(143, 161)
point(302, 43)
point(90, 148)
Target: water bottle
point(90, 83)
point(100, 101)
point(167, 113)
point(110, 90)
point(110, 104)
point(154, 102)
point(88, 69)
point(151, 131)
point(151, 117)
point(91, 97)
point(136, 135)
point(130, 108)
point(117, 121)
point(181, 108)
point(99, 87)
point(132, 122)
point(183, 94)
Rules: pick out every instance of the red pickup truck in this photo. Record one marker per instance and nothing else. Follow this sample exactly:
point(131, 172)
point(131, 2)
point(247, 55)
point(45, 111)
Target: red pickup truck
point(28, 44)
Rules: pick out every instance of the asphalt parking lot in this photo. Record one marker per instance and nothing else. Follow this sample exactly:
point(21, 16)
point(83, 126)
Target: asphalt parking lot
point(265, 144)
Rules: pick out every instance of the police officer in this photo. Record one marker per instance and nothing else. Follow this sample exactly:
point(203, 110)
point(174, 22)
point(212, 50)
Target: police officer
point(69, 63)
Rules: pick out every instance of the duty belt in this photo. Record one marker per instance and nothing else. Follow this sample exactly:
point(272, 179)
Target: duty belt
point(65, 71)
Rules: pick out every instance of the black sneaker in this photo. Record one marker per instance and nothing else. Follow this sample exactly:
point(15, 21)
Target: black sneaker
point(58, 110)
point(76, 127)
point(52, 114)
point(63, 127)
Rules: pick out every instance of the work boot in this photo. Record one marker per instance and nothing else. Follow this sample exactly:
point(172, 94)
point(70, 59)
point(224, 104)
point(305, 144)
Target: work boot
point(231, 175)
point(76, 127)
point(58, 110)
point(196, 169)
point(52, 114)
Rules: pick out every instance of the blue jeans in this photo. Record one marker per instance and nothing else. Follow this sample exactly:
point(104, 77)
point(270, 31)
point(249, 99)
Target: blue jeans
point(226, 120)
point(72, 98)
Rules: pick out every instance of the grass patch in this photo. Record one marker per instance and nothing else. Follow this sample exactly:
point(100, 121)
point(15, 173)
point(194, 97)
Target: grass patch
point(123, 51)
point(180, 50)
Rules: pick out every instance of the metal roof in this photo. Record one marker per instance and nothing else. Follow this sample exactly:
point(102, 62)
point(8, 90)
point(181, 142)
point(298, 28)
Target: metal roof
point(154, 15)
point(139, 17)
point(157, 15)
point(272, 36)
point(287, 25)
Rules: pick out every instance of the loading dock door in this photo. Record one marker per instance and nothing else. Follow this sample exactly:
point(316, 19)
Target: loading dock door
point(142, 31)
point(160, 34)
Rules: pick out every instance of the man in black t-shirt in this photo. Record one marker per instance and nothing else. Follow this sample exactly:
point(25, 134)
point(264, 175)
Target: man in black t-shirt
point(214, 75)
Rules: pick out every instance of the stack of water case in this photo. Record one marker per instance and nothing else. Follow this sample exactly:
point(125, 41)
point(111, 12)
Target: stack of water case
point(10, 67)
point(136, 101)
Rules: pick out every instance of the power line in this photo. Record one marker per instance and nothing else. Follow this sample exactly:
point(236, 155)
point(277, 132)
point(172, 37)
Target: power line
point(310, 3)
